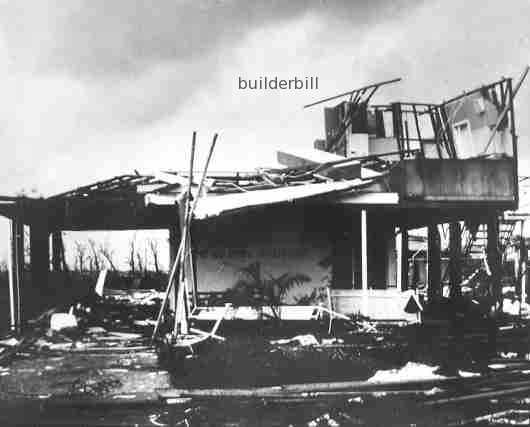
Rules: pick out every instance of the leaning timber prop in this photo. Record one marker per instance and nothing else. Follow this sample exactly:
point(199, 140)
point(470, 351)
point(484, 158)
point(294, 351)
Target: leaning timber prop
point(182, 336)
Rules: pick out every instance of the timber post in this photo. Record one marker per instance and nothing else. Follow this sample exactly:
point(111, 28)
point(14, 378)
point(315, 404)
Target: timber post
point(494, 260)
point(57, 251)
point(434, 268)
point(523, 266)
point(39, 254)
point(174, 242)
point(16, 271)
point(455, 259)
point(404, 261)
point(364, 259)
point(39, 249)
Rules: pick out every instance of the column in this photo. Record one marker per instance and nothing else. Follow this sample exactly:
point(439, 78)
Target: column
point(404, 261)
point(364, 260)
point(174, 241)
point(39, 255)
point(433, 267)
point(494, 260)
point(57, 243)
point(455, 259)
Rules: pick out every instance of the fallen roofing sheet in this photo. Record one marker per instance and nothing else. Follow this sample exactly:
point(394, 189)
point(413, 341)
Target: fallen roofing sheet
point(211, 206)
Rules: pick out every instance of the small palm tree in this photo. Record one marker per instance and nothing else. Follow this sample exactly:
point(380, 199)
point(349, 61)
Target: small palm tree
point(256, 289)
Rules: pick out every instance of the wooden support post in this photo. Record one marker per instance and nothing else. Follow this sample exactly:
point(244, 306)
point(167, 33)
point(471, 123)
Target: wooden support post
point(174, 242)
point(404, 261)
point(14, 282)
point(455, 259)
point(39, 256)
point(10, 277)
point(18, 265)
point(364, 259)
point(523, 261)
point(57, 250)
point(398, 127)
point(494, 260)
point(181, 284)
point(433, 268)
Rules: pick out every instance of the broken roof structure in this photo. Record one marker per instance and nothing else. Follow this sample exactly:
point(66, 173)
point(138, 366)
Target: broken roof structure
point(381, 170)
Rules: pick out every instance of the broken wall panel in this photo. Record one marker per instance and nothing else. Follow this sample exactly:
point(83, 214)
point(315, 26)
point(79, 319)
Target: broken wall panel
point(473, 118)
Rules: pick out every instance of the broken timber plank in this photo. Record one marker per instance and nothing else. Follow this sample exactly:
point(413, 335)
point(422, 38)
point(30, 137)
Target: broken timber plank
point(350, 386)
point(485, 395)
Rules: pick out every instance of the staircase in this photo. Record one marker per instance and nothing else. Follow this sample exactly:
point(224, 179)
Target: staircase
point(475, 244)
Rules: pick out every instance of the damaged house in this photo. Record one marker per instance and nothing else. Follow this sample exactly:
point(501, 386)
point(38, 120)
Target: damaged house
point(337, 216)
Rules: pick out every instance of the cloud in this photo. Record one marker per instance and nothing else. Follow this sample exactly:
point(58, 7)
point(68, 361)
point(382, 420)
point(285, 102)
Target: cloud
point(92, 80)
point(95, 88)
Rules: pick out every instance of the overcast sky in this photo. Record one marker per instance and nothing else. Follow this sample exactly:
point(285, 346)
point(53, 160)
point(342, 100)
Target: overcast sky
point(94, 88)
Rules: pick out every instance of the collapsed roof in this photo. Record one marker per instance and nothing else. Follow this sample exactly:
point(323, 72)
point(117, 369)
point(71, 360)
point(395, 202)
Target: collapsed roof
point(365, 150)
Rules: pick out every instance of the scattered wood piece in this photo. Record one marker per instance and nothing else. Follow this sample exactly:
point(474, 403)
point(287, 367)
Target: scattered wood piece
point(113, 349)
point(487, 417)
point(201, 332)
point(288, 389)
point(333, 313)
point(100, 284)
point(485, 395)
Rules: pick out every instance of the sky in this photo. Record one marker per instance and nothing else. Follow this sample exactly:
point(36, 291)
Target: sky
point(90, 89)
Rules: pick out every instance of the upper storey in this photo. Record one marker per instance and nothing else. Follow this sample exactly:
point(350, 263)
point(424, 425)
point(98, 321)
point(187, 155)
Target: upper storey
point(464, 149)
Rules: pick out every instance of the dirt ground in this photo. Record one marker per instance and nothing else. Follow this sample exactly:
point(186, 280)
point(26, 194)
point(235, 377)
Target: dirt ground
point(105, 373)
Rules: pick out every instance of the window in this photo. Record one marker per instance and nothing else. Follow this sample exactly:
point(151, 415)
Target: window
point(462, 129)
point(463, 139)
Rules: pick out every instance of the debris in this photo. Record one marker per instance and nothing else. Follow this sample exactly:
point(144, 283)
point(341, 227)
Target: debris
point(101, 282)
point(321, 419)
point(201, 332)
point(379, 393)
point(433, 391)
point(331, 341)
point(303, 340)
point(59, 321)
point(94, 330)
point(45, 344)
point(124, 335)
point(146, 322)
point(497, 366)
point(10, 342)
point(410, 372)
point(94, 387)
point(485, 395)
point(465, 374)
point(508, 355)
point(368, 327)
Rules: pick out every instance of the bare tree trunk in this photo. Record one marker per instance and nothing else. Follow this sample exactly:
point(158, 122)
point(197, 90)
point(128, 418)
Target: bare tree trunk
point(107, 254)
point(153, 246)
point(132, 254)
point(80, 256)
point(95, 261)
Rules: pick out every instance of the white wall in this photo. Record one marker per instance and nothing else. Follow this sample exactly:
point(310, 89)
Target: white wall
point(286, 246)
